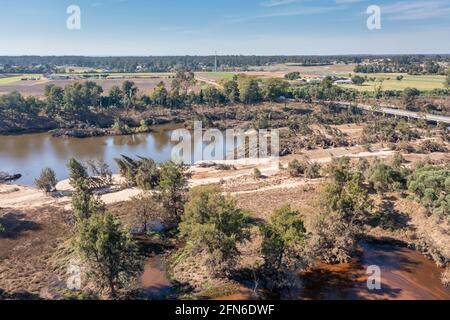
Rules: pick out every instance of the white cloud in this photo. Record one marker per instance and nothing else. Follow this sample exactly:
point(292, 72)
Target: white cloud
point(416, 10)
point(295, 11)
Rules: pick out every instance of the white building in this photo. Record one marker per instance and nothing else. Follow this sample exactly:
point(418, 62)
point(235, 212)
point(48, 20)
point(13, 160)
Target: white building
point(57, 77)
point(314, 80)
point(346, 81)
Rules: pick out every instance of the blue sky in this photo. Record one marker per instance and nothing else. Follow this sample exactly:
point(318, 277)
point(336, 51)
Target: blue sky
point(200, 27)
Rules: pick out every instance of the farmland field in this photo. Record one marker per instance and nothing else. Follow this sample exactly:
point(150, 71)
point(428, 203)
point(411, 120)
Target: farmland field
point(16, 78)
point(306, 70)
point(422, 82)
point(119, 74)
point(280, 70)
point(147, 81)
point(72, 70)
point(227, 75)
point(36, 88)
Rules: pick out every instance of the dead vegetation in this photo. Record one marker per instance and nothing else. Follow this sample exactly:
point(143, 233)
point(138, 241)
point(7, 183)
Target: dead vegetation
point(27, 246)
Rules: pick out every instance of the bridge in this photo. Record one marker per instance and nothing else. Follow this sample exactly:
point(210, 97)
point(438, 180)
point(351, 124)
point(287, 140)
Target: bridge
point(400, 113)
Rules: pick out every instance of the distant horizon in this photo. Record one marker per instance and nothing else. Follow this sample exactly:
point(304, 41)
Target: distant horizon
point(227, 55)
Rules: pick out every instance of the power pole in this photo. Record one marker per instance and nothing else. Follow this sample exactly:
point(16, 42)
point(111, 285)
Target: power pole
point(215, 61)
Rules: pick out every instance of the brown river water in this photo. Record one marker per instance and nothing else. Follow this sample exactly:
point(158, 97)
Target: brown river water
point(28, 154)
point(405, 275)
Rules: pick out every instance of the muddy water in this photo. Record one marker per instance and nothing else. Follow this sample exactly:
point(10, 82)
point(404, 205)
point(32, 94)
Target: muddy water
point(405, 275)
point(29, 154)
point(154, 279)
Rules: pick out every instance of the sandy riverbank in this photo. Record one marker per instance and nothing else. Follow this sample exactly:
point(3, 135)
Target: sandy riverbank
point(20, 197)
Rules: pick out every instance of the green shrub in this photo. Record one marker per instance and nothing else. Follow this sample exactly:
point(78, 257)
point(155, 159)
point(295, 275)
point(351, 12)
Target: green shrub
point(384, 178)
point(77, 172)
point(292, 75)
point(282, 247)
point(398, 160)
point(141, 172)
point(431, 146)
point(296, 169)
point(173, 187)
point(214, 225)
point(108, 251)
point(257, 174)
point(431, 185)
point(313, 170)
point(344, 191)
point(47, 180)
point(147, 174)
point(120, 127)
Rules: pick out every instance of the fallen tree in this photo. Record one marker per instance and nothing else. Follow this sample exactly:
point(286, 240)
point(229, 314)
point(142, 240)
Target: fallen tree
point(6, 177)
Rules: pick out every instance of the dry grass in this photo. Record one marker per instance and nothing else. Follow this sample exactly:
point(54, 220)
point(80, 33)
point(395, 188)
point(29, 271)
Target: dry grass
point(27, 247)
point(36, 88)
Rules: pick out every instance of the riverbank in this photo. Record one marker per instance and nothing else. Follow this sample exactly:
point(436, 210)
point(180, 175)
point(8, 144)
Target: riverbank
point(101, 122)
point(18, 196)
point(24, 208)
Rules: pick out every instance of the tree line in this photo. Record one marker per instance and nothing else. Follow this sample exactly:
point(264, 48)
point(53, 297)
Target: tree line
point(81, 101)
point(44, 64)
point(31, 64)
point(413, 65)
point(76, 101)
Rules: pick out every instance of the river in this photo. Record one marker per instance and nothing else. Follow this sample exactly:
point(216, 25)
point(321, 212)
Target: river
point(405, 275)
point(28, 154)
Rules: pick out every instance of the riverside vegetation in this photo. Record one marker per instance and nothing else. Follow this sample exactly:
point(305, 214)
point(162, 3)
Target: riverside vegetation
point(83, 108)
point(209, 229)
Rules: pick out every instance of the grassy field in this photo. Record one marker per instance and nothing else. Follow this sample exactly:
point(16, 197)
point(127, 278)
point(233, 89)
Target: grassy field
point(13, 79)
point(75, 70)
point(307, 70)
point(117, 74)
point(423, 83)
point(37, 88)
point(226, 75)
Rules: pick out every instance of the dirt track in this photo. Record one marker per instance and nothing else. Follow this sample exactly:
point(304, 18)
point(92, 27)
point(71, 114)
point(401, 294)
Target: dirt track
point(20, 197)
point(27, 250)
